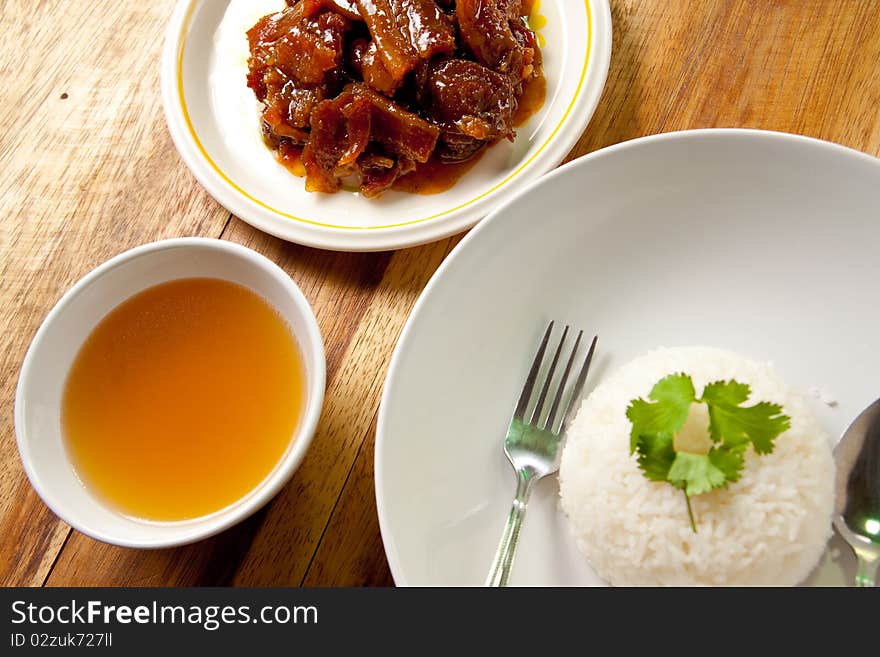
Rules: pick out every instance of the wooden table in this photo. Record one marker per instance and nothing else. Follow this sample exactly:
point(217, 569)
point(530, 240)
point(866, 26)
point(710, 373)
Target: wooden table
point(88, 170)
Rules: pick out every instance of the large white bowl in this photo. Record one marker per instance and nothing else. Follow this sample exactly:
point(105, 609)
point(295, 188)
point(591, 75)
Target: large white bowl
point(759, 242)
point(214, 121)
point(59, 338)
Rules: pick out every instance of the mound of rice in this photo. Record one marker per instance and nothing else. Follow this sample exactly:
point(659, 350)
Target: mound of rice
point(769, 528)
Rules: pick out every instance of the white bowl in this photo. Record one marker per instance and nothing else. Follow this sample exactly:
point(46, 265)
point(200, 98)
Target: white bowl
point(762, 243)
point(214, 121)
point(58, 340)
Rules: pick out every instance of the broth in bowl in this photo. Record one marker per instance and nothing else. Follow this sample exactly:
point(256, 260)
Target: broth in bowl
point(183, 399)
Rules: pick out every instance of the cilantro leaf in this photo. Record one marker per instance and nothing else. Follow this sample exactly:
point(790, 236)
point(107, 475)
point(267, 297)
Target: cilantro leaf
point(720, 394)
point(732, 427)
point(730, 392)
point(760, 424)
point(676, 388)
point(695, 473)
point(672, 397)
point(656, 455)
point(728, 459)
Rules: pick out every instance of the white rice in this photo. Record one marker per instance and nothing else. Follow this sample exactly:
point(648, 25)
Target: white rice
point(769, 528)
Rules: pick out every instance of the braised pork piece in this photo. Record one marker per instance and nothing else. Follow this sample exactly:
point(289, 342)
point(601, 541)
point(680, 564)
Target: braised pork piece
point(370, 91)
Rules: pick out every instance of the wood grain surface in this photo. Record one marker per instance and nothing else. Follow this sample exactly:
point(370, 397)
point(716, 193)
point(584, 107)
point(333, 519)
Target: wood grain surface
point(88, 170)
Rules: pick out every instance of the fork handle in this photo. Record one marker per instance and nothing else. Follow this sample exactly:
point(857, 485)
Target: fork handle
point(500, 572)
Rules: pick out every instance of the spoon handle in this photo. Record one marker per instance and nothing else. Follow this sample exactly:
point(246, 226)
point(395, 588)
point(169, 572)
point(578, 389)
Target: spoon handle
point(867, 569)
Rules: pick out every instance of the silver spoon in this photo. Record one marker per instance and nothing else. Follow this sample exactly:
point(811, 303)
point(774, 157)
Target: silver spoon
point(857, 498)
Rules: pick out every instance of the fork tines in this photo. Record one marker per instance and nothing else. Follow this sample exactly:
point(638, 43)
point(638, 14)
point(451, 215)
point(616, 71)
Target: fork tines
point(550, 421)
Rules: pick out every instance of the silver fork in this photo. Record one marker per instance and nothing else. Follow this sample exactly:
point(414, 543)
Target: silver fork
point(532, 446)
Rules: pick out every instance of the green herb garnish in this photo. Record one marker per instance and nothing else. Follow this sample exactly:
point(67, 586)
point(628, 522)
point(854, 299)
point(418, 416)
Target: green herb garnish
point(732, 428)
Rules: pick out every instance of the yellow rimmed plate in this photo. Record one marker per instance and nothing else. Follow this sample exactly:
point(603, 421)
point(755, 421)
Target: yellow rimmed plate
point(214, 121)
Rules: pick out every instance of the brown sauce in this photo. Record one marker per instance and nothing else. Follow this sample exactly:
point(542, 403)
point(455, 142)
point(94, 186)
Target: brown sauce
point(290, 158)
point(394, 83)
point(434, 176)
point(532, 99)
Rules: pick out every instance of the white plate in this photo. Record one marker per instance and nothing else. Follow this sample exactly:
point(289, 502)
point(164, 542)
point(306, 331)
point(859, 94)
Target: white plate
point(213, 119)
point(759, 242)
